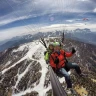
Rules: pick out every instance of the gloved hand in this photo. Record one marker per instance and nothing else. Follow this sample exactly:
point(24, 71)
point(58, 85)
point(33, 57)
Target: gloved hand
point(48, 66)
point(45, 52)
point(47, 61)
point(73, 50)
point(54, 69)
point(56, 61)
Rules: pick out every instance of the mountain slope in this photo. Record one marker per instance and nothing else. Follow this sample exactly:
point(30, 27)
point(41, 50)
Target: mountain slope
point(25, 73)
point(22, 68)
point(84, 35)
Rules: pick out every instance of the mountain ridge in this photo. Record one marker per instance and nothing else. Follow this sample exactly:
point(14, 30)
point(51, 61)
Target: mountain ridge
point(84, 35)
point(24, 70)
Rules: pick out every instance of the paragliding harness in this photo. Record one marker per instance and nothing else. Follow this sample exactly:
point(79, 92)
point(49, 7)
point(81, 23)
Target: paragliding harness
point(58, 90)
point(43, 42)
point(65, 67)
point(47, 55)
point(62, 41)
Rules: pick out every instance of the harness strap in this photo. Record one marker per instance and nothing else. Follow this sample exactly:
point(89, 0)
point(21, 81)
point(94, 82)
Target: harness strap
point(65, 58)
point(53, 60)
point(59, 61)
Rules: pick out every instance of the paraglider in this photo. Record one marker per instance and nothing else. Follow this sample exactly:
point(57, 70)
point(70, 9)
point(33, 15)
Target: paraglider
point(85, 20)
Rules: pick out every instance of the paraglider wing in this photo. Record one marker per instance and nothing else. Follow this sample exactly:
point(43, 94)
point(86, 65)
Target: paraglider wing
point(85, 19)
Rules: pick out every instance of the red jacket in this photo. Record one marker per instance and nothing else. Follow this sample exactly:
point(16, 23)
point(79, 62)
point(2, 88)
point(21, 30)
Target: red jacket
point(61, 58)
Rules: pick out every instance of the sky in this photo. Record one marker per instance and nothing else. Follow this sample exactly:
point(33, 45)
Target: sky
point(18, 17)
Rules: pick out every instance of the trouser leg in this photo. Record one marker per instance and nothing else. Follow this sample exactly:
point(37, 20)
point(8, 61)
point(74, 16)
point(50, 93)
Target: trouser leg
point(67, 77)
point(74, 66)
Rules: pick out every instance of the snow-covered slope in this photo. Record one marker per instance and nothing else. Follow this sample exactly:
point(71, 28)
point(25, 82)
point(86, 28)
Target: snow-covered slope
point(33, 58)
point(23, 71)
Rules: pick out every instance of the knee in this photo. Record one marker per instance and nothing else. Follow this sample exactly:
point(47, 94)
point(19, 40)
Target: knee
point(76, 65)
point(67, 76)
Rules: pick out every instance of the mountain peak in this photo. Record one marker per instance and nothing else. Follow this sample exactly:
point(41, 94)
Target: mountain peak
point(86, 30)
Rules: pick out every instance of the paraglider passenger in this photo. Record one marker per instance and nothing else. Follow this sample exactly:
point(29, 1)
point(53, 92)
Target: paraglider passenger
point(59, 63)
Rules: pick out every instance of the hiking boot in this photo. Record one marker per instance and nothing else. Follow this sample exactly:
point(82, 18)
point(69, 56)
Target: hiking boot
point(70, 91)
point(82, 75)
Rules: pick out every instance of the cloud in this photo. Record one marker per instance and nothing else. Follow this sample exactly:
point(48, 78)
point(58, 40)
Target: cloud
point(21, 8)
point(12, 32)
point(94, 10)
point(69, 20)
point(19, 31)
point(7, 21)
point(94, 1)
point(44, 12)
point(22, 30)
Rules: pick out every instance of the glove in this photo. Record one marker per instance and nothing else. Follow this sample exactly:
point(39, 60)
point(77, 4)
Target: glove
point(54, 69)
point(48, 66)
point(73, 50)
point(47, 61)
point(45, 52)
point(56, 61)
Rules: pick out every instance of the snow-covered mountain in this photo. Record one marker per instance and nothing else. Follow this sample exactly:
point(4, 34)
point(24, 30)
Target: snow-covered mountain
point(84, 35)
point(23, 71)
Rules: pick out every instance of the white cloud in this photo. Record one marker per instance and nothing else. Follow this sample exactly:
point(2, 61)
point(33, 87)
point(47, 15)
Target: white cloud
point(94, 10)
point(23, 30)
point(12, 32)
point(68, 27)
point(33, 8)
point(69, 20)
point(7, 21)
point(24, 9)
point(82, 0)
point(19, 31)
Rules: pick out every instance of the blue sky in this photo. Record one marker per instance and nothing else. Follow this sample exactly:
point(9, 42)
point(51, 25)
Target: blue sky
point(23, 16)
